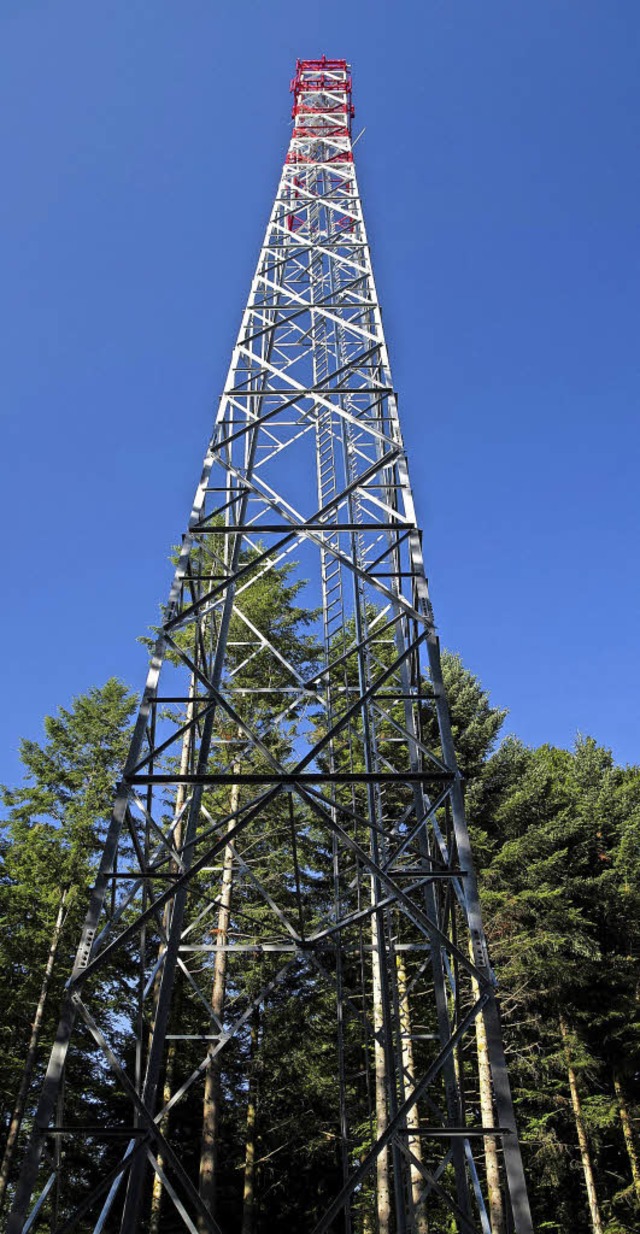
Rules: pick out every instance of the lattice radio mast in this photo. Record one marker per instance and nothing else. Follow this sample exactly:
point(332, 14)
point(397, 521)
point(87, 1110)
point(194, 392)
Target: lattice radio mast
point(288, 828)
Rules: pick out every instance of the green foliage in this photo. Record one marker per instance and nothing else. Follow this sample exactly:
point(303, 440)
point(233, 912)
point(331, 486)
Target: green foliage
point(51, 833)
point(556, 834)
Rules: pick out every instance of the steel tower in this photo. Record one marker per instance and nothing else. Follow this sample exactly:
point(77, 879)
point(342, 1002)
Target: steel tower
point(289, 829)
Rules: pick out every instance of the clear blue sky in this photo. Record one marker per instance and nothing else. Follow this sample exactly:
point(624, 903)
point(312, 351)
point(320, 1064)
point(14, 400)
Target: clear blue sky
point(141, 146)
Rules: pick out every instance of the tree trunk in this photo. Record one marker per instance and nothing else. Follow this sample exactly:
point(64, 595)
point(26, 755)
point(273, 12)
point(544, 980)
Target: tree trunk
point(367, 1222)
point(211, 1103)
point(413, 1119)
point(587, 1166)
point(627, 1130)
point(249, 1191)
point(156, 1193)
point(487, 1119)
point(383, 1199)
point(181, 797)
point(27, 1075)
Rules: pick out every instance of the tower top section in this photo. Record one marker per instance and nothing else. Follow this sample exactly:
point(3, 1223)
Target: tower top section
point(322, 112)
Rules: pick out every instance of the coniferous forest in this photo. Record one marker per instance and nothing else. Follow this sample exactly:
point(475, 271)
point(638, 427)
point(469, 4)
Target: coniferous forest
point(557, 842)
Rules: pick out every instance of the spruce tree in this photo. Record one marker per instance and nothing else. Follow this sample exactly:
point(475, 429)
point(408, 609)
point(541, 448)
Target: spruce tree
point(51, 833)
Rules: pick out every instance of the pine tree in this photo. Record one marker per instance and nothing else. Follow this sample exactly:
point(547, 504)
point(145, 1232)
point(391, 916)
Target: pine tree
point(50, 836)
point(552, 825)
point(268, 648)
